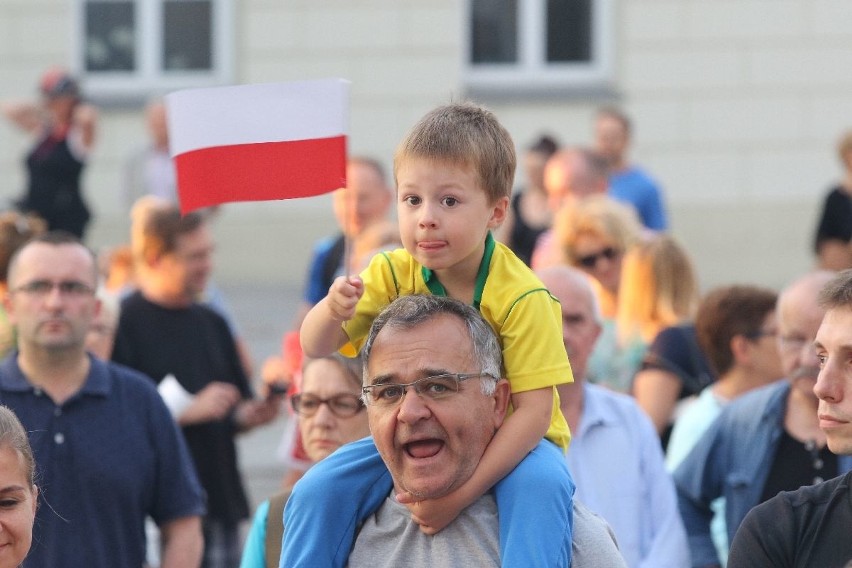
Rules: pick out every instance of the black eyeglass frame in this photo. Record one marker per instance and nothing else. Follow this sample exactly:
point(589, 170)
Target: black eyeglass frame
point(297, 399)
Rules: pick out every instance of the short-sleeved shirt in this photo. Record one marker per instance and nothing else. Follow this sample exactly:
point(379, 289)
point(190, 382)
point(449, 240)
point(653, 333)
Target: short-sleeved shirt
point(105, 458)
point(195, 345)
point(523, 314)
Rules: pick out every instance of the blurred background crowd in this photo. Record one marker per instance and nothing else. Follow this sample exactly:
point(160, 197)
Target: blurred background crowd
point(691, 159)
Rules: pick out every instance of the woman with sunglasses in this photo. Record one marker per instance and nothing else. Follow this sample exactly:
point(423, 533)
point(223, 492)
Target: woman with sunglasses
point(595, 234)
point(330, 414)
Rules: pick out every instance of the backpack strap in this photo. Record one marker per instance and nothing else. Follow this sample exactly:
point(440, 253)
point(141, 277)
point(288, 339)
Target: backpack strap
point(275, 529)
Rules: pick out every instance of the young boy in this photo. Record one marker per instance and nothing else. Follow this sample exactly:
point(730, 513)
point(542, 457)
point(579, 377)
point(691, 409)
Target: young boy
point(454, 174)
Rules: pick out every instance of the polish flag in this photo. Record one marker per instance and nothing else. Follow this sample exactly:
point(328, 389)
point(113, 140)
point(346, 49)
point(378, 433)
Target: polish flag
point(258, 142)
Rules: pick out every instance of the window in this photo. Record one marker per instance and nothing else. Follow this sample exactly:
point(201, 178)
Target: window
point(539, 46)
point(130, 49)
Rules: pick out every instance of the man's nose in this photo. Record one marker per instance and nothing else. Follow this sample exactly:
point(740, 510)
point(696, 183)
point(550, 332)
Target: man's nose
point(829, 383)
point(412, 407)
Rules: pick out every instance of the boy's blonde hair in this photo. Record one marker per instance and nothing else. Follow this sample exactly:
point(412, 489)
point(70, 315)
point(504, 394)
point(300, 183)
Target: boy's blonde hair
point(464, 134)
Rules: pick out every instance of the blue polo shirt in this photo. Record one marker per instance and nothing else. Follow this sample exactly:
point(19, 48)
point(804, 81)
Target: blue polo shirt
point(106, 458)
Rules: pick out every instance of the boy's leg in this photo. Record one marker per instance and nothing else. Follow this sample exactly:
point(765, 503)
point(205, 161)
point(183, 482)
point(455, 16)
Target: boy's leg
point(329, 502)
point(535, 507)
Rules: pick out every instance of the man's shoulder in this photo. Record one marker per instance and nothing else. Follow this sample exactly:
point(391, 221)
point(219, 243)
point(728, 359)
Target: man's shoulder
point(818, 494)
point(615, 407)
point(758, 401)
point(510, 275)
point(124, 379)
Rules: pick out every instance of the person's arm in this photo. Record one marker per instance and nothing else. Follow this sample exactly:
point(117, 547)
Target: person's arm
point(520, 433)
point(666, 544)
point(321, 333)
point(183, 543)
point(213, 402)
point(656, 391)
point(25, 115)
point(834, 254)
point(84, 119)
point(698, 481)
point(250, 414)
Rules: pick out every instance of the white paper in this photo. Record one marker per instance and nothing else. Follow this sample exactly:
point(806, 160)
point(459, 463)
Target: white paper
point(176, 397)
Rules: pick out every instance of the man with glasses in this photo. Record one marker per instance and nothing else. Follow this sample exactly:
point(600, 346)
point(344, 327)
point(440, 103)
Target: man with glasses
point(767, 440)
point(435, 396)
point(810, 526)
point(106, 450)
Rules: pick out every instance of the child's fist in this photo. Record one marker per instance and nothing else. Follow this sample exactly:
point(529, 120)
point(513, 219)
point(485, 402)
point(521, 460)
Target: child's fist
point(343, 296)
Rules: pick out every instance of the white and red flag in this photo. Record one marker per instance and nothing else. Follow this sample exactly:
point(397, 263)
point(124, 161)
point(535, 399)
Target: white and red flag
point(258, 142)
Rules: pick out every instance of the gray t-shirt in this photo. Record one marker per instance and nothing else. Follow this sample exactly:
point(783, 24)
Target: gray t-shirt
point(390, 538)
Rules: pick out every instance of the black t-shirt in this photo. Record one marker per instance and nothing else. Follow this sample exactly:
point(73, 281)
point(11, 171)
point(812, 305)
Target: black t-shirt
point(836, 220)
point(195, 345)
point(798, 529)
point(523, 237)
point(797, 464)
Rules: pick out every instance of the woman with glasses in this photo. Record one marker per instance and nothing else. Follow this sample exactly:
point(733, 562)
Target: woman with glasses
point(330, 414)
point(596, 233)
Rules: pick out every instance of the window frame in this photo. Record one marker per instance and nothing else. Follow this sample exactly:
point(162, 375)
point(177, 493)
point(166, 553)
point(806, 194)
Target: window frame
point(531, 74)
point(149, 78)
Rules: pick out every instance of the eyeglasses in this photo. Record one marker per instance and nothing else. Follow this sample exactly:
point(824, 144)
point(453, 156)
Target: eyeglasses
point(341, 405)
point(791, 343)
point(757, 334)
point(437, 387)
point(73, 288)
point(591, 260)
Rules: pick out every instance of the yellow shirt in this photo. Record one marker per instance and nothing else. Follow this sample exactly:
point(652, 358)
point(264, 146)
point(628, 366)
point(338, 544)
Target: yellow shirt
point(525, 316)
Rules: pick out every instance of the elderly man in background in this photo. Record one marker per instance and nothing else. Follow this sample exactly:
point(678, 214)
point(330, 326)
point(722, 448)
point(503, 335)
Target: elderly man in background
point(615, 455)
point(767, 440)
point(810, 526)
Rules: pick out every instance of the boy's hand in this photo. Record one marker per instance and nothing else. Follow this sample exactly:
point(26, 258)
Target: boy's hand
point(343, 296)
point(433, 514)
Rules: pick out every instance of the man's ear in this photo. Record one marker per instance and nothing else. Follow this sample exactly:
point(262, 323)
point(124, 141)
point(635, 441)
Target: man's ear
point(498, 212)
point(502, 396)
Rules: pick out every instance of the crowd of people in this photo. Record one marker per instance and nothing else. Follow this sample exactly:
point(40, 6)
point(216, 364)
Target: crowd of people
point(499, 376)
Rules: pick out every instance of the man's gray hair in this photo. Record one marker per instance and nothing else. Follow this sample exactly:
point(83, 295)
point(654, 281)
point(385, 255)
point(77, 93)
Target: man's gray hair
point(408, 312)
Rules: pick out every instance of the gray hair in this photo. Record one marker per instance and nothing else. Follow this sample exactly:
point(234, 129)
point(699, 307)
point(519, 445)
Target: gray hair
point(408, 312)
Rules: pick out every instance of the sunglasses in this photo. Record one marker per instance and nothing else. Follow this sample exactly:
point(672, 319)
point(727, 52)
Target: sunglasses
point(591, 260)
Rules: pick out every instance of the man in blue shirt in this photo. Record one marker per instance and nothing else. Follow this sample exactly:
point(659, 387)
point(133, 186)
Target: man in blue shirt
point(628, 182)
point(107, 451)
point(615, 453)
